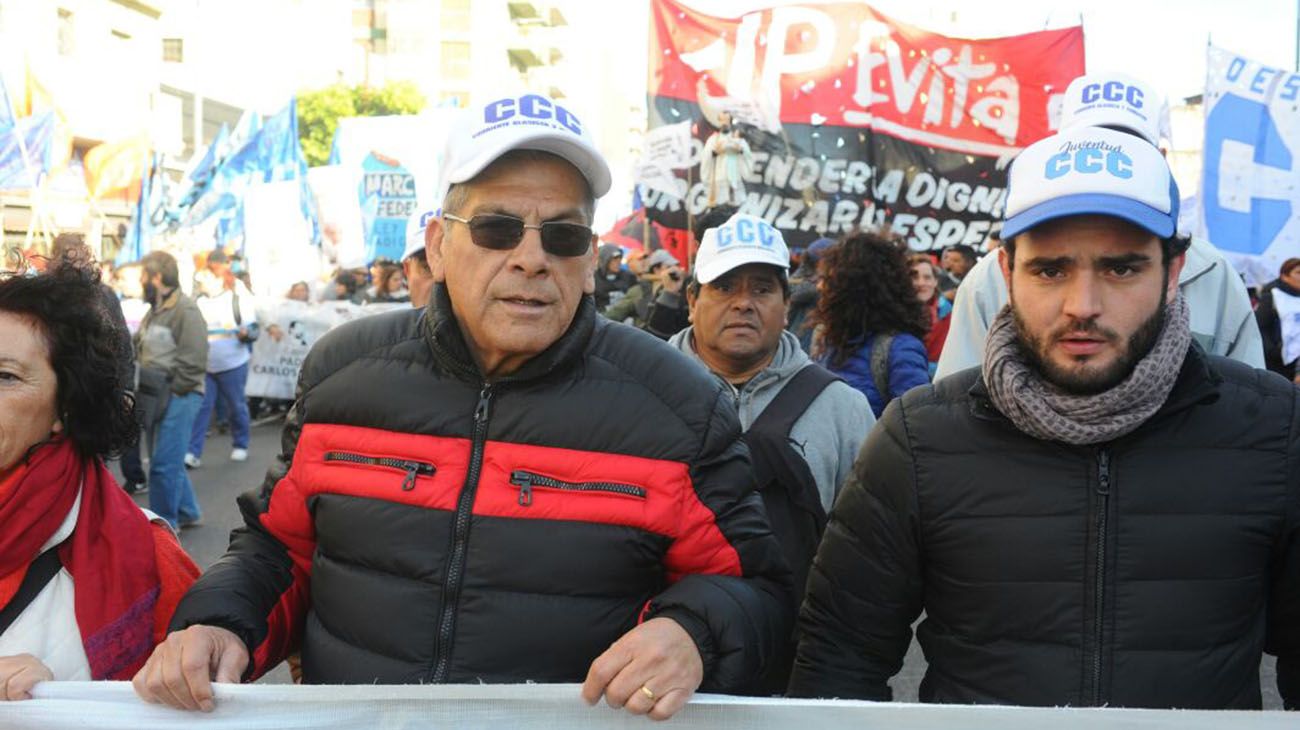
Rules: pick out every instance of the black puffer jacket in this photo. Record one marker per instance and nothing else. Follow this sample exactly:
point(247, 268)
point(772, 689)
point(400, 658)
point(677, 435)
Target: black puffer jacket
point(1150, 572)
point(431, 528)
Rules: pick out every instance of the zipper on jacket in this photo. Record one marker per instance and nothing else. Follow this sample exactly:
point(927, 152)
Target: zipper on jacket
point(412, 468)
point(460, 537)
point(526, 480)
point(1099, 597)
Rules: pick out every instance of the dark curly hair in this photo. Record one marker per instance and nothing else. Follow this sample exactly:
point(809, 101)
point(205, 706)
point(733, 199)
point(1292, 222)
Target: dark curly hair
point(866, 288)
point(86, 352)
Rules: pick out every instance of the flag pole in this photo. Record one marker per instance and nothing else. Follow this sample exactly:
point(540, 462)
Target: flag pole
point(37, 210)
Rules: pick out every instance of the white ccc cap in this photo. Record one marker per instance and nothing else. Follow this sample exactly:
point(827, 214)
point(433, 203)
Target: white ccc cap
point(1108, 99)
point(482, 133)
point(415, 226)
point(1091, 171)
point(743, 239)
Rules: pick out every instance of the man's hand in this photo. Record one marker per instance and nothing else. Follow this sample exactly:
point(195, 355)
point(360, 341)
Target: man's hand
point(671, 279)
point(181, 671)
point(654, 668)
point(19, 673)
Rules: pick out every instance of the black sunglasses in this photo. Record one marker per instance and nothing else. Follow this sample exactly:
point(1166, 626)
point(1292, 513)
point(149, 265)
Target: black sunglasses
point(504, 232)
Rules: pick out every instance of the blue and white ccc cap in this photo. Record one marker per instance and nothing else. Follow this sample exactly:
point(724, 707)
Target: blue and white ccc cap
point(482, 133)
point(415, 227)
point(743, 239)
point(1109, 99)
point(1091, 171)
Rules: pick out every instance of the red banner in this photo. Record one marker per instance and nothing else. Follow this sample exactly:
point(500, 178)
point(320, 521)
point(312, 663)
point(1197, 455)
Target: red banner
point(848, 65)
point(825, 117)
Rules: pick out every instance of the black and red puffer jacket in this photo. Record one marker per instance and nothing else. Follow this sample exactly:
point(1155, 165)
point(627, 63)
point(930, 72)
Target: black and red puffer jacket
point(422, 525)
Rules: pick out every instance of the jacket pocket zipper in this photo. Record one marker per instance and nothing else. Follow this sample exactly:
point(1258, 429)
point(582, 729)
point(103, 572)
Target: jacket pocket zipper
point(412, 468)
point(526, 480)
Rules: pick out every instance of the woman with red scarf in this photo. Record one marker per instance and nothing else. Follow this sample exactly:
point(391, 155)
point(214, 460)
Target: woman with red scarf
point(925, 280)
point(87, 580)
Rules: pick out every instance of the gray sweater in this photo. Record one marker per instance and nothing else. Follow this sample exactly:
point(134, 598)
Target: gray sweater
point(829, 433)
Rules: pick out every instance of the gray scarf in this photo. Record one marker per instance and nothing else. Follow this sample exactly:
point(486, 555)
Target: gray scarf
point(1046, 412)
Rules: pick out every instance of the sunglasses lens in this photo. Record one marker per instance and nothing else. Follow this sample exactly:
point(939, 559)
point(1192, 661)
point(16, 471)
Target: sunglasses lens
point(566, 239)
point(497, 232)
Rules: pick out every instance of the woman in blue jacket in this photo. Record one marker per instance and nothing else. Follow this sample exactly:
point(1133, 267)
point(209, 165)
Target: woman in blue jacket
point(871, 323)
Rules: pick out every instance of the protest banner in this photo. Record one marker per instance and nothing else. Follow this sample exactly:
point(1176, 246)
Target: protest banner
point(391, 164)
point(277, 238)
point(113, 705)
point(876, 122)
point(275, 363)
point(1249, 202)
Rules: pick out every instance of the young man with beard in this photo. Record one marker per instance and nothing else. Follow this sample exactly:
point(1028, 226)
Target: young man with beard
point(1220, 312)
point(1103, 515)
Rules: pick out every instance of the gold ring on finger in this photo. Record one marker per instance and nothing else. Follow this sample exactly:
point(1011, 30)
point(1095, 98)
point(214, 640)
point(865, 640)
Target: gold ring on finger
point(648, 692)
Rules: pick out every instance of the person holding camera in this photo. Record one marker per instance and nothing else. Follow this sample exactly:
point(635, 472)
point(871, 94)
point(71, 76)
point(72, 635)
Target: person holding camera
point(655, 304)
point(230, 311)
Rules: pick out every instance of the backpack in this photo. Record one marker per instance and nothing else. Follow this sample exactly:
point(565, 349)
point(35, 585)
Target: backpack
point(789, 493)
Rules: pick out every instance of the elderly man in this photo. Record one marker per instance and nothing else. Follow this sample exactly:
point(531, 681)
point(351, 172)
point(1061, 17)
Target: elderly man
point(462, 498)
point(803, 425)
point(1222, 320)
point(1119, 524)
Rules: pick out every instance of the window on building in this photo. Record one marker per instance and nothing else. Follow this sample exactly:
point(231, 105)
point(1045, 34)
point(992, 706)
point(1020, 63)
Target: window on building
point(174, 50)
point(66, 42)
point(455, 60)
point(455, 16)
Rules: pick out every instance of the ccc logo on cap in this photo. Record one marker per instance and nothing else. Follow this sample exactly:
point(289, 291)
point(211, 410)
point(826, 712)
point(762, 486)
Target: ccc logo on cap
point(1089, 161)
point(749, 232)
point(1113, 91)
point(531, 106)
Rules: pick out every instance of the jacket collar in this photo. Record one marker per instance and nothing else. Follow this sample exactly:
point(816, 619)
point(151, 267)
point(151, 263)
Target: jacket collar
point(1198, 382)
point(169, 301)
point(450, 351)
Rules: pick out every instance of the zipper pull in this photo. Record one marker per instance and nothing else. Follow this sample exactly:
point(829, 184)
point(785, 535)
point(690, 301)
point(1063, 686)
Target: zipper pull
point(1103, 473)
point(409, 483)
point(525, 484)
point(484, 401)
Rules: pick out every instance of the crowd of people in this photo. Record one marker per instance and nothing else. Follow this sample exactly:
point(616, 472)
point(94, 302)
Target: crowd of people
point(748, 473)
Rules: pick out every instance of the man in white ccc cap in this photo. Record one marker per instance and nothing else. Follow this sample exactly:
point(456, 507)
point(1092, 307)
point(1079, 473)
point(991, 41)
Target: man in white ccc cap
point(415, 265)
point(1222, 320)
point(1103, 514)
point(803, 425)
point(462, 496)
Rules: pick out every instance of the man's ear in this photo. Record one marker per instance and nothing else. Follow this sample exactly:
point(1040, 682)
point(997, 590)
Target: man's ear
point(434, 235)
point(1004, 263)
point(1175, 270)
point(691, 299)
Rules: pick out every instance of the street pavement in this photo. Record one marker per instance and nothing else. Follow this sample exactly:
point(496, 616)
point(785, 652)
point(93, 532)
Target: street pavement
point(219, 481)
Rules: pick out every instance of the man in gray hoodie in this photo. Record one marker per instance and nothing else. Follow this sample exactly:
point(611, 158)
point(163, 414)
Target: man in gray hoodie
point(803, 425)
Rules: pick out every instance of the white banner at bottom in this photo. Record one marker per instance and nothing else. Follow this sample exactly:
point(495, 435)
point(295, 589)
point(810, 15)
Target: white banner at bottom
point(113, 705)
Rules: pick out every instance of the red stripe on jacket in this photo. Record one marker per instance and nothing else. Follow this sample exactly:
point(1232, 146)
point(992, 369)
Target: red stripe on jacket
point(670, 506)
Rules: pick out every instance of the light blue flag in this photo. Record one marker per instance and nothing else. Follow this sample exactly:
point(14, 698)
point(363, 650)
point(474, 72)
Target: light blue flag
point(7, 116)
point(19, 171)
point(140, 232)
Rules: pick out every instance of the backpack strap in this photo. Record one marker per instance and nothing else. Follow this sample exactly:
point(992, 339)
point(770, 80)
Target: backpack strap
point(880, 364)
point(39, 574)
point(789, 405)
point(234, 304)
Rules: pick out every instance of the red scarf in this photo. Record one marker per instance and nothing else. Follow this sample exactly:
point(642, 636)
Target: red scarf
point(110, 553)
